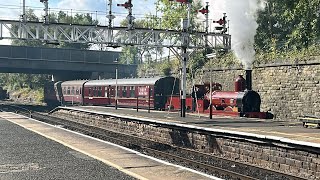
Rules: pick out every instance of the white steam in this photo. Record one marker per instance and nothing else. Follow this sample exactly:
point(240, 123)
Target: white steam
point(243, 25)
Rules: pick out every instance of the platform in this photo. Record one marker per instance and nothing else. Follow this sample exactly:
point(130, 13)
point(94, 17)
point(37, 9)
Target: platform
point(283, 130)
point(34, 150)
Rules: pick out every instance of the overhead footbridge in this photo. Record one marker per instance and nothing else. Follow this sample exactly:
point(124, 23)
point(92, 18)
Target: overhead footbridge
point(62, 63)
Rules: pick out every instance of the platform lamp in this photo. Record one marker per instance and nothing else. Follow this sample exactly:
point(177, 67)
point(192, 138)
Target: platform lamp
point(116, 96)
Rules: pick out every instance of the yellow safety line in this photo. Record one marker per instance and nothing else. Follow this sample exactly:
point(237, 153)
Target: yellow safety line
point(84, 152)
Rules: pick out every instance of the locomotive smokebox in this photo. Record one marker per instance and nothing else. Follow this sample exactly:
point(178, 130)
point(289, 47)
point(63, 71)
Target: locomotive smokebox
point(249, 79)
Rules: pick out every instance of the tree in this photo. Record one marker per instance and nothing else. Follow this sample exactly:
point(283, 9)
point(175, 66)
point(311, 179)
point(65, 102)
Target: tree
point(291, 24)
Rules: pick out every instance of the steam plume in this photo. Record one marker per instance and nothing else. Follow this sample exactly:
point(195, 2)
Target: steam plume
point(243, 25)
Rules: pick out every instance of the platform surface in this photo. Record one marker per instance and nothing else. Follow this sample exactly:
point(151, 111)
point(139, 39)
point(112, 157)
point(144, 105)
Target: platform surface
point(34, 150)
point(27, 155)
point(291, 130)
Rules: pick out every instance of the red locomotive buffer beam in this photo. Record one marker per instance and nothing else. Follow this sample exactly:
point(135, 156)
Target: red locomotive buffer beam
point(126, 4)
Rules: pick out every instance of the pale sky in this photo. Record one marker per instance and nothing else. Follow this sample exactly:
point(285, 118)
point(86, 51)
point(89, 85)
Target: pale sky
point(12, 9)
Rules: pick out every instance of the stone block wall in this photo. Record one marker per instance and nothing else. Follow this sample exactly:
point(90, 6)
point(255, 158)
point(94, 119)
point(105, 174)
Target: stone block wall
point(278, 157)
point(288, 91)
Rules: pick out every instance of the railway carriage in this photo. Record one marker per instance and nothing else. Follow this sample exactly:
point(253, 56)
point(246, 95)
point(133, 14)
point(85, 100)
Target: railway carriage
point(142, 92)
point(71, 92)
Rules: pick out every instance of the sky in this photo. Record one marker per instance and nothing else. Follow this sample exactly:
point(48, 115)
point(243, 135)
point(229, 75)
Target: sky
point(11, 9)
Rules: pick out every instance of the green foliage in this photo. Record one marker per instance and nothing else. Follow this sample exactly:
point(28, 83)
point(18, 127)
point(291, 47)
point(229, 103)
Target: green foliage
point(173, 12)
point(291, 24)
point(28, 95)
point(164, 68)
point(15, 81)
point(197, 61)
point(289, 56)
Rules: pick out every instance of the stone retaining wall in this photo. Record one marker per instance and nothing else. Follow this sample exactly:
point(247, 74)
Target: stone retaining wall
point(278, 157)
point(288, 91)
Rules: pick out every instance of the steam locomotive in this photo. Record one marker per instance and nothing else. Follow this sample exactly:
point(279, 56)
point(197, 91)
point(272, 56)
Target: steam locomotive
point(159, 93)
point(242, 102)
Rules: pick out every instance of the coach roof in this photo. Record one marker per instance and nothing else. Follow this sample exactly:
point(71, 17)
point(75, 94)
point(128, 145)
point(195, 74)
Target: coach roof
point(74, 83)
point(133, 81)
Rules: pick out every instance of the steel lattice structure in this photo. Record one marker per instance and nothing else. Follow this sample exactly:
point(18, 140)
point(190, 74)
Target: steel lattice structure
point(113, 37)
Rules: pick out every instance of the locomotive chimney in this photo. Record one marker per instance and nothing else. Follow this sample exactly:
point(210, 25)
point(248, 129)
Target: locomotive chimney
point(249, 79)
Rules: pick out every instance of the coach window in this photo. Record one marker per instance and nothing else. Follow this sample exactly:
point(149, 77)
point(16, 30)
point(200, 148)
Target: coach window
point(68, 90)
point(90, 92)
point(64, 90)
point(124, 91)
point(132, 91)
point(95, 91)
point(77, 91)
point(99, 91)
point(72, 91)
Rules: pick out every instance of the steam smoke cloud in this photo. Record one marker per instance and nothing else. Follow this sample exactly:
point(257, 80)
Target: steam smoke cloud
point(243, 25)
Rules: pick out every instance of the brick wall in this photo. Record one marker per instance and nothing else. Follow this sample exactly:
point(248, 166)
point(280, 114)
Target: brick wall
point(289, 91)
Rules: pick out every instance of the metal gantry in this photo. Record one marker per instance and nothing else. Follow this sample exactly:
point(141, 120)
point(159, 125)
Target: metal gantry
point(111, 36)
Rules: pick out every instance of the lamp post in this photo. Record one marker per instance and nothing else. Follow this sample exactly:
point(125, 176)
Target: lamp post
point(116, 96)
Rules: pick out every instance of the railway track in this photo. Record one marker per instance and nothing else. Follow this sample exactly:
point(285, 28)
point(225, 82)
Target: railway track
point(204, 162)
